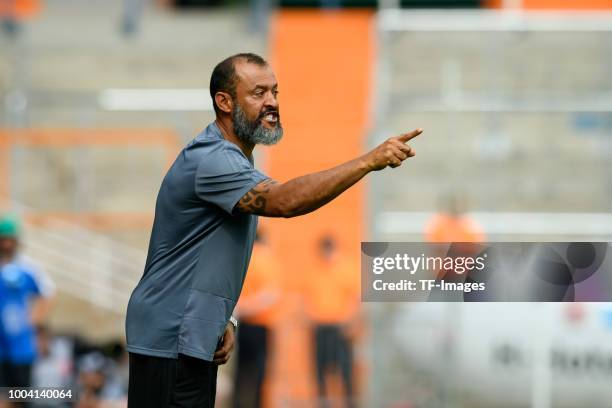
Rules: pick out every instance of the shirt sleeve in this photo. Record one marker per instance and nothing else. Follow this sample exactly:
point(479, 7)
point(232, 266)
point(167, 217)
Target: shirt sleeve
point(42, 280)
point(31, 286)
point(224, 176)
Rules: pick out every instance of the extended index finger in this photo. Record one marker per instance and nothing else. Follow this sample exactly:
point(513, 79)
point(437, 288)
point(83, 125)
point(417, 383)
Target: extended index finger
point(410, 135)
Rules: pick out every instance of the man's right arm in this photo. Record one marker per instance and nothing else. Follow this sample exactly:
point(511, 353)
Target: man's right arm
point(305, 194)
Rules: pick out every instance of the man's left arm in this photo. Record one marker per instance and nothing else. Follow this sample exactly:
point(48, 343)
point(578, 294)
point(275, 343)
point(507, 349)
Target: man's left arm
point(42, 289)
point(224, 352)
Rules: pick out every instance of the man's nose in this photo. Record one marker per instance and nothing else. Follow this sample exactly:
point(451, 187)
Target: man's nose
point(271, 101)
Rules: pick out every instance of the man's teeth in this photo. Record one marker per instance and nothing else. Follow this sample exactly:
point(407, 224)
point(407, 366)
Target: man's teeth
point(270, 117)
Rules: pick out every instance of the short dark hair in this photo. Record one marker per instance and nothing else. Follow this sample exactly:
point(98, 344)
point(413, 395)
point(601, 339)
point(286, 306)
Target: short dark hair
point(223, 78)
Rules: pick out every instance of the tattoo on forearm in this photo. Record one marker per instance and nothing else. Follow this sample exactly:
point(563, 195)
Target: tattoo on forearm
point(255, 200)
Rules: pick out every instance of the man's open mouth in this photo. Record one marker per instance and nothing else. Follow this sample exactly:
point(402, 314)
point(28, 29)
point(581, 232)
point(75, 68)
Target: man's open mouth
point(271, 117)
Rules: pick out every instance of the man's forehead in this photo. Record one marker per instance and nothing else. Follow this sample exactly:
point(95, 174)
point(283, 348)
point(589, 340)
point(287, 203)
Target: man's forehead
point(252, 75)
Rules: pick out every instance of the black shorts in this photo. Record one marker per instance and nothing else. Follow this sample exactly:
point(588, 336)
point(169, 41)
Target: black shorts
point(15, 375)
point(166, 382)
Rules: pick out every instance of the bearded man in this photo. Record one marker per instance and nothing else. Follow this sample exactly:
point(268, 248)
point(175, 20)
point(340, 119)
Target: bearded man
point(179, 321)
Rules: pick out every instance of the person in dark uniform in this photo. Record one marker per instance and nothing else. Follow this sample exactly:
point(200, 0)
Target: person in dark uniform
point(258, 311)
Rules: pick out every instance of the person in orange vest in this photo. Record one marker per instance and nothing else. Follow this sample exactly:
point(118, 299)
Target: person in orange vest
point(257, 309)
point(452, 225)
point(332, 305)
point(13, 12)
point(19, 8)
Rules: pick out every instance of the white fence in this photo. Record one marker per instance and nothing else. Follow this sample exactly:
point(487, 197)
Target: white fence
point(82, 262)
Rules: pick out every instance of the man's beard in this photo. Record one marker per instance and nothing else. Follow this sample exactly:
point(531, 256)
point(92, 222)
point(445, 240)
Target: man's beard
point(255, 132)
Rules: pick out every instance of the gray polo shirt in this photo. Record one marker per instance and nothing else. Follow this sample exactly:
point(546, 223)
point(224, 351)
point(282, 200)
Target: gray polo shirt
point(198, 253)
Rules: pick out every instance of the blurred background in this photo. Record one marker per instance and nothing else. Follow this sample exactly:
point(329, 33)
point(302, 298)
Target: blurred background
point(515, 97)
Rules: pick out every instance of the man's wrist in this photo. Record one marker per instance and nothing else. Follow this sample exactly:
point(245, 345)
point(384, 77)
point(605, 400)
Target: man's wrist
point(233, 322)
point(365, 163)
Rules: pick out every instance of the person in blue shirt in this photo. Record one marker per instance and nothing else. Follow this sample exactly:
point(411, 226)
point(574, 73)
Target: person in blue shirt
point(18, 289)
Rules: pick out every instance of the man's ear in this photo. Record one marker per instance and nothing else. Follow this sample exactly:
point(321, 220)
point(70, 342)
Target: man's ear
point(224, 102)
